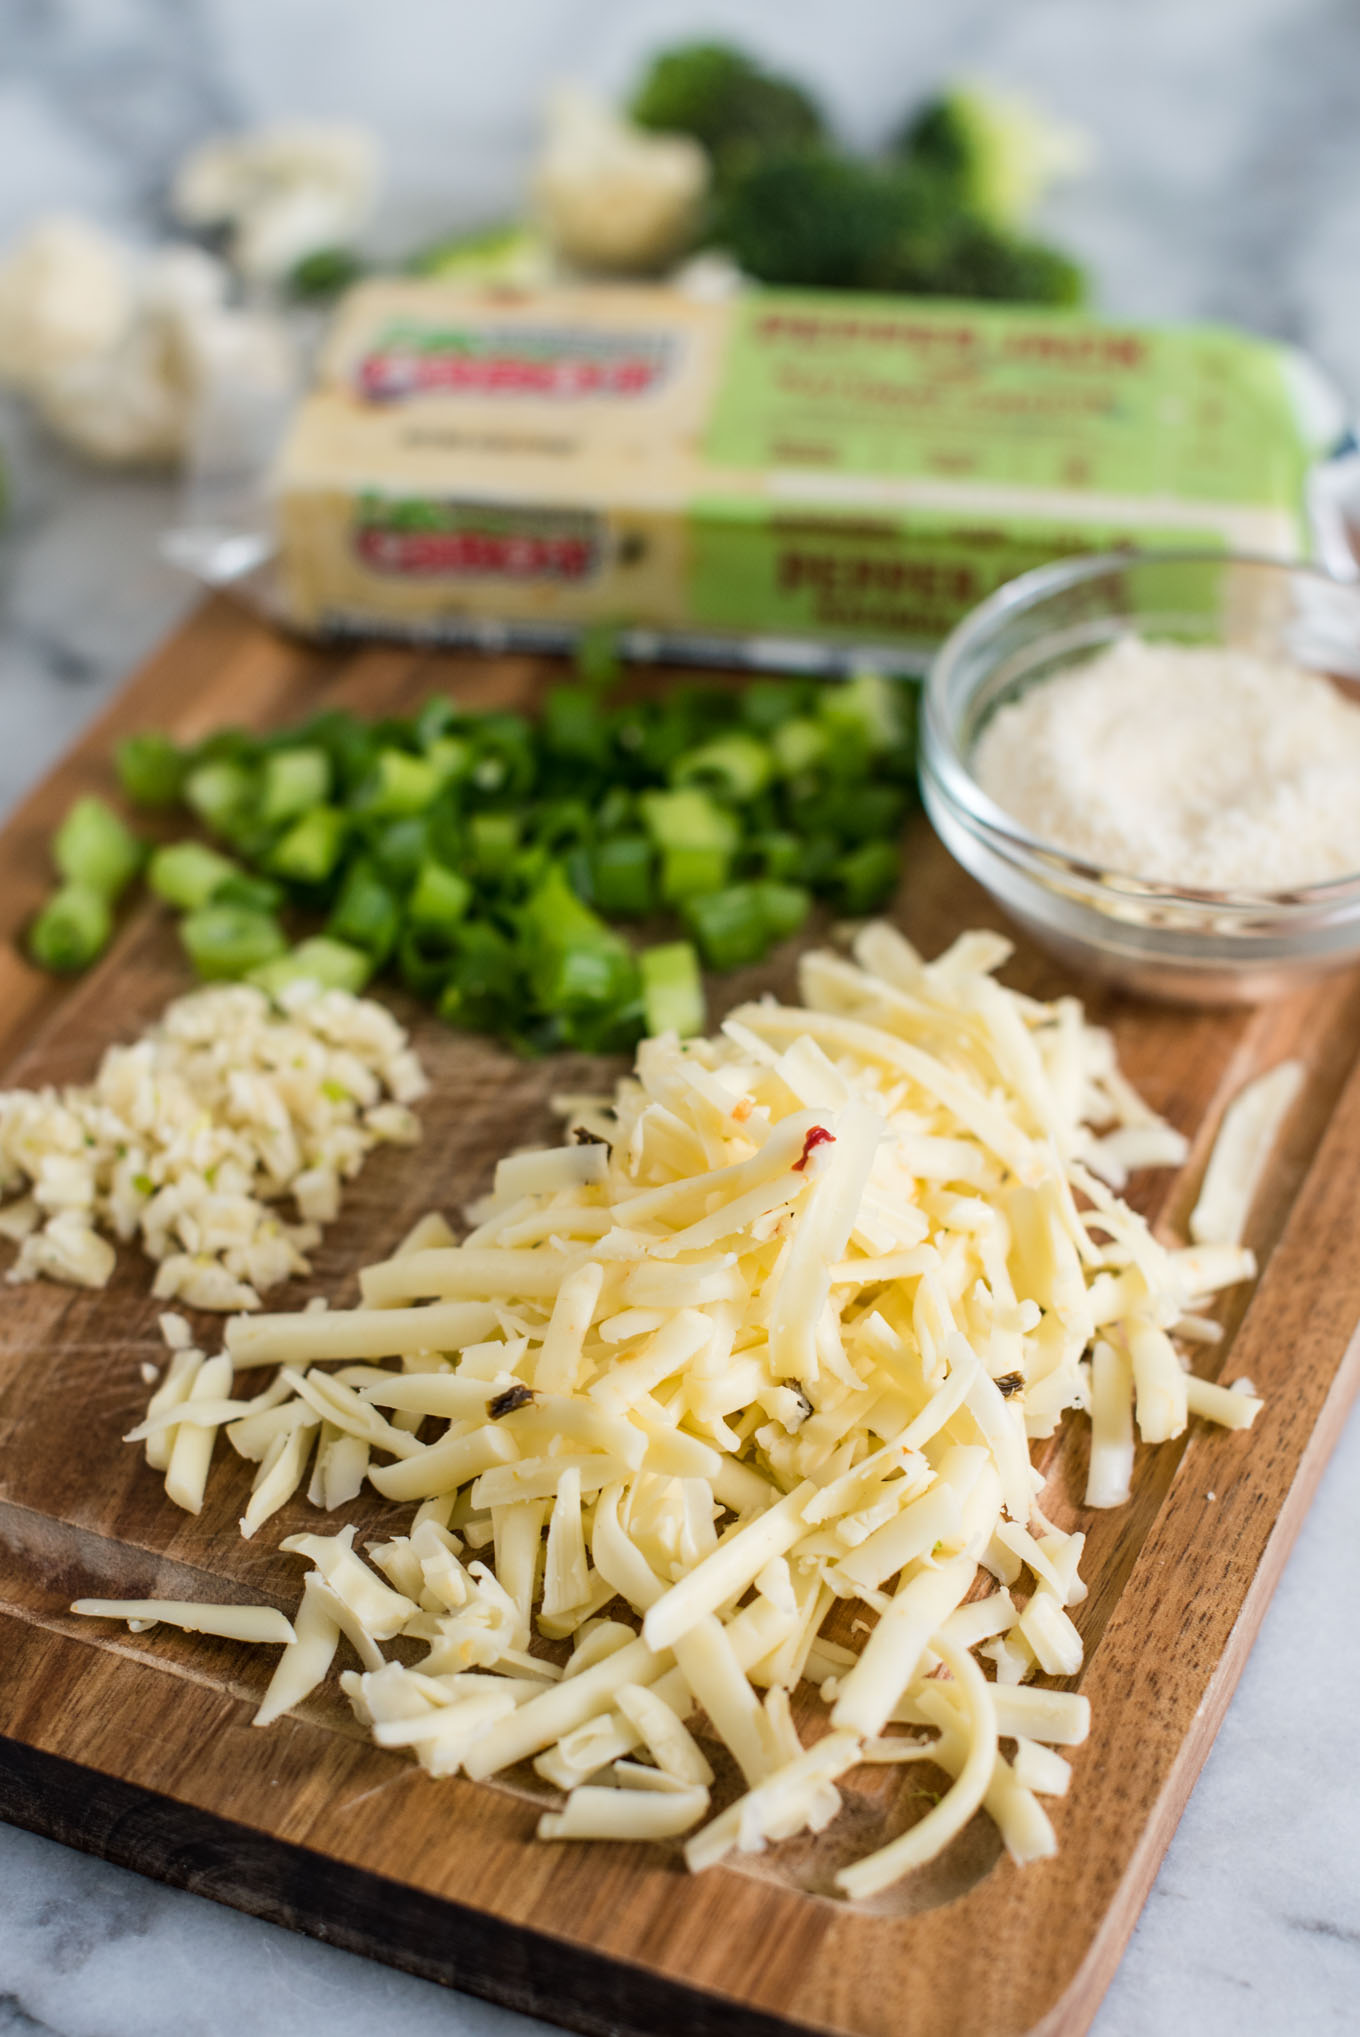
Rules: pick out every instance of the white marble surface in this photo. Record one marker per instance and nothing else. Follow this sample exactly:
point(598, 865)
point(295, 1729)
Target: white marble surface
point(1228, 186)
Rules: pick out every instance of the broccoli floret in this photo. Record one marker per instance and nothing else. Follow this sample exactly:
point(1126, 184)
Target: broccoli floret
point(997, 152)
point(325, 272)
point(986, 263)
point(737, 110)
point(823, 221)
point(818, 219)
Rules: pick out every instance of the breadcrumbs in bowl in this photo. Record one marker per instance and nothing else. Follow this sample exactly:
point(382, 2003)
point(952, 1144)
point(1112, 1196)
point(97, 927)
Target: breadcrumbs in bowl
point(1084, 854)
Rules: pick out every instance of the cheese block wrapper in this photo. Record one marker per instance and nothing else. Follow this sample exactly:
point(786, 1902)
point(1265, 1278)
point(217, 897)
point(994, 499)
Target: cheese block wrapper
point(777, 478)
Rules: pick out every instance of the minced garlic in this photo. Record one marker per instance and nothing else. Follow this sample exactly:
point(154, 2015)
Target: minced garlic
point(190, 1137)
point(1192, 765)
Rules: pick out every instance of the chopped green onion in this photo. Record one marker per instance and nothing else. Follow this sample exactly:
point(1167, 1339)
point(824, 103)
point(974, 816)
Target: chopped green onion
point(574, 727)
point(188, 874)
point(440, 898)
point(869, 705)
point(481, 987)
point(798, 745)
point(689, 873)
point(562, 821)
point(767, 703)
point(728, 925)
point(505, 760)
point(672, 989)
point(736, 764)
point(777, 854)
point(425, 959)
point(488, 858)
point(221, 793)
point(742, 922)
point(572, 957)
point(310, 850)
point(224, 941)
point(332, 964)
point(258, 893)
point(96, 850)
point(400, 846)
point(401, 784)
point(438, 717)
point(621, 881)
point(859, 812)
point(348, 743)
point(294, 780)
point(451, 757)
point(367, 914)
point(616, 811)
point(494, 838)
point(151, 768)
point(785, 907)
point(688, 819)
point(866, 878)
point(73, 928)
point(597, 657)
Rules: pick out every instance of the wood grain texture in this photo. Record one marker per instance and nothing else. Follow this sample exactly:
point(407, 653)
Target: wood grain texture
point(139, 1747)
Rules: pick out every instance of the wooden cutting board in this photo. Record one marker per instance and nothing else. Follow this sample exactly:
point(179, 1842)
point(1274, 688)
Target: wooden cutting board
point(139, 1747)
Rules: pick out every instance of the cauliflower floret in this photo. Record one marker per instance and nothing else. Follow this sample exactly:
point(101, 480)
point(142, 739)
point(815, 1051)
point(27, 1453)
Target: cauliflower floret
point(287, 191)
point(65, 297)
point(137, 401)
point(611, 196)
point(118, 349)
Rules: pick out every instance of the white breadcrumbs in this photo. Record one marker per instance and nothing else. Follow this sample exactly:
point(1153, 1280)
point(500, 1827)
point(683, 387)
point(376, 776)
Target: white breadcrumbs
point(189, 1137)
point(1190, 765)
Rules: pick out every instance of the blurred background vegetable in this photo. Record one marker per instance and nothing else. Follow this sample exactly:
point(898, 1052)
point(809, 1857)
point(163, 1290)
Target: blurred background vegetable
point(286, 194)
point(611, 196)
point(734, 108)
point(943, 213)
point(718, 170)
point(115, 346)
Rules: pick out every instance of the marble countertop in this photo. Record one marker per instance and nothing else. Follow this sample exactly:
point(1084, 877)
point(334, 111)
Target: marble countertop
point(1227, 185)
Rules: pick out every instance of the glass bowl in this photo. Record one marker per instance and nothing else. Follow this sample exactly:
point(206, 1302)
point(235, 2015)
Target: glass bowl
point(1200, 947)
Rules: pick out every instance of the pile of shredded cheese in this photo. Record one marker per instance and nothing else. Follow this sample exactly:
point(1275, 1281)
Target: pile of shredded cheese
point(763, 1344)
point(189, 1138)
point(1184, 764)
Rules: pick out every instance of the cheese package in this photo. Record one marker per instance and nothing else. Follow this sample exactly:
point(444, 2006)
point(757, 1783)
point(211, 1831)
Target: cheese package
point(772, 478)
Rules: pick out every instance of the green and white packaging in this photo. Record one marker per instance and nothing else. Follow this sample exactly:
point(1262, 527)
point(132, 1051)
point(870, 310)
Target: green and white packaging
point(789, 478)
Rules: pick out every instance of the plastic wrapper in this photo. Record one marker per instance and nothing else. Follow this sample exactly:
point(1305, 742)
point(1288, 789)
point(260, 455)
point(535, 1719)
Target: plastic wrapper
point(798, 480)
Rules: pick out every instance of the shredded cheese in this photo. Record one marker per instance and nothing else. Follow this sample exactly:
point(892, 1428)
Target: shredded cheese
point(1251, 1125)
point(260, 1624)
point(777, 1348)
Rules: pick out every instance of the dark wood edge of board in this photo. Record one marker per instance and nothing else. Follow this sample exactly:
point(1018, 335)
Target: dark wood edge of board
point(360, 1912)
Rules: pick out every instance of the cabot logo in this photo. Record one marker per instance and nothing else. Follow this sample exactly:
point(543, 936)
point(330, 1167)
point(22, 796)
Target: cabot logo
point(417, 539)
point(410, 359)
